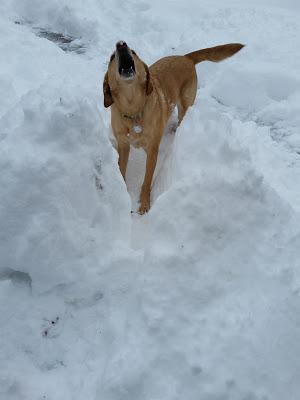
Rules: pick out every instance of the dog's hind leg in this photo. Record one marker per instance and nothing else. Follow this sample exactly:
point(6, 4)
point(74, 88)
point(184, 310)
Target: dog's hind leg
point(187, 97)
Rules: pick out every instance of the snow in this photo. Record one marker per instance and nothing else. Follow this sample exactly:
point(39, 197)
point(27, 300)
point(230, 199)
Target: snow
point(198, 299)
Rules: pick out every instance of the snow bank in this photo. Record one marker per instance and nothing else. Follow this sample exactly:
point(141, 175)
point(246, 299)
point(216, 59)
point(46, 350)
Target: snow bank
point(219, 290)
point(59, 187)
point(65, 222)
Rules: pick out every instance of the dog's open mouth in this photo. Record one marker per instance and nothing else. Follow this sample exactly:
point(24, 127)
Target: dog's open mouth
point(125, 61)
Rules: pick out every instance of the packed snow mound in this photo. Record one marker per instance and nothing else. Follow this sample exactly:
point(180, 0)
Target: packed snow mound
point(221, 277)
point(199, 299)
point(59, 188)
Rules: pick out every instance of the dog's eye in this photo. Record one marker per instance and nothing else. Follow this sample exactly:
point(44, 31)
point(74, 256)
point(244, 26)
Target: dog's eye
point(133, 52)
point(112, 57)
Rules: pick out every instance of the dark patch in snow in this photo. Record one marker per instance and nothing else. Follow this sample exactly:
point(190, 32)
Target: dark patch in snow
point(16, 277)
point(98, 183)
point(51, 324)
point(97, 175)
point(79, 303)
point(219, 101)
point(66, 42)
point(54, 36)
point(49, 366)
point(196, 370)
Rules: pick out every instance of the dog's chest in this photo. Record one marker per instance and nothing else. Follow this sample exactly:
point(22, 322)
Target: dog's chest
point(135, 135)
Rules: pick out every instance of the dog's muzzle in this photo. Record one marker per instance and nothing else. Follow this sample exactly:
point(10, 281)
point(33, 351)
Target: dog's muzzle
point(125, 60)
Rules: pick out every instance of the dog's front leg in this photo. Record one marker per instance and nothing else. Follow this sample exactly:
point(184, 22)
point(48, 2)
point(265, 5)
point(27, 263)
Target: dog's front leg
point(123, 150)
point(152, 152)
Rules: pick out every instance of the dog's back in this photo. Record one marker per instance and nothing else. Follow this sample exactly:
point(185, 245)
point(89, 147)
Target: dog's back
point(177, 77)
point(173, 73)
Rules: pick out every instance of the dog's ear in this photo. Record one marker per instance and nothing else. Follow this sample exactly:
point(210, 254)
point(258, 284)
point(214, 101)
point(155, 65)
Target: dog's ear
point(108, 100)
point(149, 86)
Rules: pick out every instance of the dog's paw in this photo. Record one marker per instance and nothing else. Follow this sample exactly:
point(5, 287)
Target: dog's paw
point(144, 203)
point(144, 208)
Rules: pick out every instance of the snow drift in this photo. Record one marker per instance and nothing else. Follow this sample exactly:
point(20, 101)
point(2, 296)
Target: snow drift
point(199, 299)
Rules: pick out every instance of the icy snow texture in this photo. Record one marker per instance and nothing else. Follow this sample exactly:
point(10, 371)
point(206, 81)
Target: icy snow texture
point(199, 299)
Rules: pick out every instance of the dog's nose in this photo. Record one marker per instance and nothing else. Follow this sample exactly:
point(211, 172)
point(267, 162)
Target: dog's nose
point(121, 45)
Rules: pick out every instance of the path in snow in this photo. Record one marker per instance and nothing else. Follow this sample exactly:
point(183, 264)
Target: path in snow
point(162, 179)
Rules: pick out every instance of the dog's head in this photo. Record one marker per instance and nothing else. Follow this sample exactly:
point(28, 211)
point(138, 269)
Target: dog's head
point(126, 71)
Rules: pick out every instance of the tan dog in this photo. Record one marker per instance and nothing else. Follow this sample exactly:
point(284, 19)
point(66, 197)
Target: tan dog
point(143, 99)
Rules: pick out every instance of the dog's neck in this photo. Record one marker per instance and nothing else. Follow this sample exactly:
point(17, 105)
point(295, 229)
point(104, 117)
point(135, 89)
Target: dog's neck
point(131, 101)
point(134, 118)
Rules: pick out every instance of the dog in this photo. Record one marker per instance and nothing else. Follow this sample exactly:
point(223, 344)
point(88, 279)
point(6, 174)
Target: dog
point(143, 98)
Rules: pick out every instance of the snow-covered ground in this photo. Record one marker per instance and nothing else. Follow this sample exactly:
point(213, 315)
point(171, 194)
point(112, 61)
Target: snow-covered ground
point(200, 298)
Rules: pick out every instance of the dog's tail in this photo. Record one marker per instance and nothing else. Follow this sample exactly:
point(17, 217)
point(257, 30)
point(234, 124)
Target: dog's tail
point(215, 54)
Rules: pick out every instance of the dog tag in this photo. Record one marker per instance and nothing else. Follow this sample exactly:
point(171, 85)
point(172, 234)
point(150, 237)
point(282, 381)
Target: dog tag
point(137, 129)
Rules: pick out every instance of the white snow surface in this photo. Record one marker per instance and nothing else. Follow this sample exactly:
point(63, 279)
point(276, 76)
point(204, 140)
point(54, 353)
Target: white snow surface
point(200, 298)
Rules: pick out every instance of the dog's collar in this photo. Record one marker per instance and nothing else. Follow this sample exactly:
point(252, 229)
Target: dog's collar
point(134, 118)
